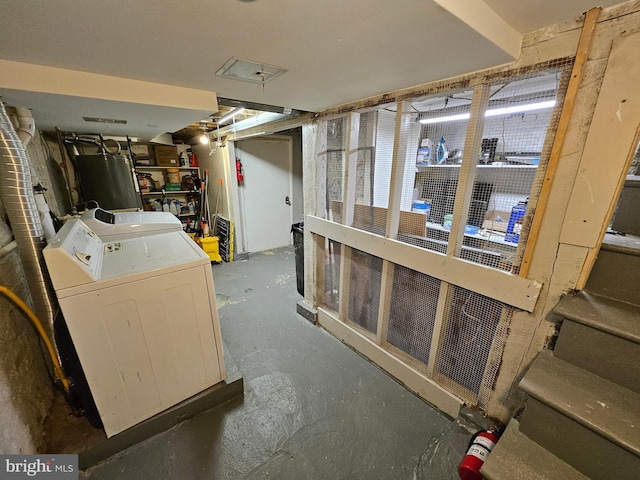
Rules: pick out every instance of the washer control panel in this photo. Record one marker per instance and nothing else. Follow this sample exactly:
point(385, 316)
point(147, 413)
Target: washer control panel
point(74, 256)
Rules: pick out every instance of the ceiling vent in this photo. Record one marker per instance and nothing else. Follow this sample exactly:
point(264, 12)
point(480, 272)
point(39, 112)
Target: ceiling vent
point(104, 120)
point(249, 71)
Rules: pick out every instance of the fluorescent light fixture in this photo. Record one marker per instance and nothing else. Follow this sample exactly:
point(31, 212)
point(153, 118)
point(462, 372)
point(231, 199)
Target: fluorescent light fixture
point(448, 118)
point(520, 108)
point(104, 120)
point(492, 113)
point(230, 115)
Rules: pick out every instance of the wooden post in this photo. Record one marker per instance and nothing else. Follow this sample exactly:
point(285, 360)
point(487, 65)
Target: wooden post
point(403, 120)
point(468, 169)
point(310, 205)
point(352, 128)
point(402, 128)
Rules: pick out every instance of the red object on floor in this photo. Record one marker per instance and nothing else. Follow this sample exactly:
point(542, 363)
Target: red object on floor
point(479, 449)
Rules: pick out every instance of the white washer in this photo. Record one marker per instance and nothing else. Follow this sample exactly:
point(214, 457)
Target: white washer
point(142, 316)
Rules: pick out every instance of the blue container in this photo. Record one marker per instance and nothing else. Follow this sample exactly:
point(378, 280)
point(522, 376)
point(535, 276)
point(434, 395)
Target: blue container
point(514, 226)
point(420, 206)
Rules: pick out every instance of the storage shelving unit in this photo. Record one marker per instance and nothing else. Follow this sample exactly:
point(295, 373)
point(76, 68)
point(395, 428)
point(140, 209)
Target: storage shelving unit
point(157, 175)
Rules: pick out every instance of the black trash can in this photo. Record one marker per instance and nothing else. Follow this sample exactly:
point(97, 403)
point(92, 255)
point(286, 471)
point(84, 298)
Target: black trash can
point(298, 242)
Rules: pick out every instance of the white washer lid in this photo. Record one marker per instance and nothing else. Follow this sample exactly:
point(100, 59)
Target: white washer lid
point(148, 254)
point(120, 225)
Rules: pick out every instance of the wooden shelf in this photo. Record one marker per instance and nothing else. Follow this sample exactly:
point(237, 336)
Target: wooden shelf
point(524, 166)
point(178, 192)
point(157, 168)
point(486, 235)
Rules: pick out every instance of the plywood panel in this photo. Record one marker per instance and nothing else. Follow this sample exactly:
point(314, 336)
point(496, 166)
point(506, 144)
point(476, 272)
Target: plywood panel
point(365, 217)
point(611, 135)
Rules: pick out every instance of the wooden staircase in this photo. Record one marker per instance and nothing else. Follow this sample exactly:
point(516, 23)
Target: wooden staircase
point(582, 415)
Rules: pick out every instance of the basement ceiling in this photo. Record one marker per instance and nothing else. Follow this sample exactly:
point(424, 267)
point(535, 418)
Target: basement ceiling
point(332, 52)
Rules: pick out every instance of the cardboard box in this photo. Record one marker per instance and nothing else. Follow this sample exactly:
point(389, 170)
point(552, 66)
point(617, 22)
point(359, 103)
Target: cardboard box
point(166, 155)
point(140, 150)
point(496, 220)
point(142, 153)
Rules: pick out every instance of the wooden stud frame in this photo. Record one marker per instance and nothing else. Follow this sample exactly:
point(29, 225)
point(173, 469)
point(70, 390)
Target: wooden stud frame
point(507, 288)
point(462, 202)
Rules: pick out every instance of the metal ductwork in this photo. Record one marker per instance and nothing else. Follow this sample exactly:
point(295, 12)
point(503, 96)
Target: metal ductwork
point(16, 193)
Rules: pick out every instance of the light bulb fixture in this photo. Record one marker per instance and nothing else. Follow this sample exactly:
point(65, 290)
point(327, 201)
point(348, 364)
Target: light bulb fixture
point(492, 113)
point(204, 137)
point(230, 115)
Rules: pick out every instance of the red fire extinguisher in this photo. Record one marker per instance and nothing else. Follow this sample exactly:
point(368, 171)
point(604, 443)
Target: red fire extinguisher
point(480, 447)
point(239, 171)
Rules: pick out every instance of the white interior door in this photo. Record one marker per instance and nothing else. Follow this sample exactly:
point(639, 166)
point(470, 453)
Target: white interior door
point(267, 216)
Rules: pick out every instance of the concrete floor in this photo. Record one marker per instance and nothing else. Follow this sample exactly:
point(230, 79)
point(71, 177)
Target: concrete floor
point(312, 409)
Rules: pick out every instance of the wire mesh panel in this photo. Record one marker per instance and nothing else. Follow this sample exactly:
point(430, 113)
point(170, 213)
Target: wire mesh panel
point(470, 328)
point(331, 257)
point(365, 172)
point(506, 172)
point(335, 168)
point(442, 122)
point(412, 312)
point(375, 154)
point(494, 360)
point(513, 142)
point(364, 289)
point(373, 162)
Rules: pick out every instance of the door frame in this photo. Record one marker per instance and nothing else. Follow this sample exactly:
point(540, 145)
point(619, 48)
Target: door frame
point(241, 231)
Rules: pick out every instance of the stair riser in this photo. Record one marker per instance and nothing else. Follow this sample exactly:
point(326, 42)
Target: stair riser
point(608, 356)
point(516, 457)
point(616, 275)
point(585, 450)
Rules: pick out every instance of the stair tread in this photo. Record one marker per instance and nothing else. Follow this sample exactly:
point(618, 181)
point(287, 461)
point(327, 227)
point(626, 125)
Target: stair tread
point(516, 456)
point(626, 244)
point(596, 403)
point(611, 316)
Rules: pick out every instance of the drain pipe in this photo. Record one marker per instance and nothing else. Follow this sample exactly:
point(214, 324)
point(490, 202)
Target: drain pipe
point(24, 125)
point(16, 193)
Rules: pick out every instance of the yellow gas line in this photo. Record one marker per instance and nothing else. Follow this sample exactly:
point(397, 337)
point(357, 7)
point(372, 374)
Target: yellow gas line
point(57, 368)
